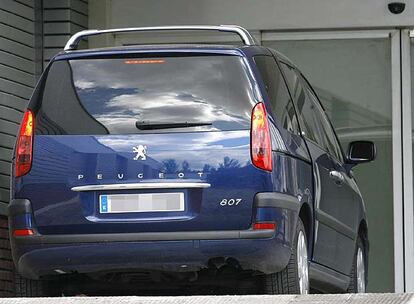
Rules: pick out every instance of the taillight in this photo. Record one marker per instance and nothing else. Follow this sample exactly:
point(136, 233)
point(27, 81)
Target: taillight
point(261, 147)
point(23, 232)
point(264, 226)
point(24, 145)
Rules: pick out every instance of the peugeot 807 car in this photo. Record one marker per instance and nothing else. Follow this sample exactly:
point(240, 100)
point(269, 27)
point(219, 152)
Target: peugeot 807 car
point(163, 163)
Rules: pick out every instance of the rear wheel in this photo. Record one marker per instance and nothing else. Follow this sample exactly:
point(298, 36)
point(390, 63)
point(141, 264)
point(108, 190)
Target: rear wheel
point(359, 272)
point(11, 283)
point(294, 279)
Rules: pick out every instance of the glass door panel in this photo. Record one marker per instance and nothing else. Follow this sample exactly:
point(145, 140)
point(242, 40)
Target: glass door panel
point(353, 80)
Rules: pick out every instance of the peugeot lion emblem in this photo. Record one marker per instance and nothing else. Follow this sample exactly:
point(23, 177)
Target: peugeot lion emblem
point(141, 151)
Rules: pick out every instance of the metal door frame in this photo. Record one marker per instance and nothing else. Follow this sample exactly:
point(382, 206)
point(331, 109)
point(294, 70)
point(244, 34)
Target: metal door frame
point(407, 148)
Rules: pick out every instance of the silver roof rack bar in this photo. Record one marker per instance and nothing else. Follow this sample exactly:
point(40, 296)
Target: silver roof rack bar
point(245, 36)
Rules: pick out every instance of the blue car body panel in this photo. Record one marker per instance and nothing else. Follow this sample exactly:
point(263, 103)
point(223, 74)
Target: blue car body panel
point(219, 157)
point(58, 210)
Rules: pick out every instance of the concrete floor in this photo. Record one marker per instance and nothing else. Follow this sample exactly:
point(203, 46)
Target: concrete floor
point(253, 299)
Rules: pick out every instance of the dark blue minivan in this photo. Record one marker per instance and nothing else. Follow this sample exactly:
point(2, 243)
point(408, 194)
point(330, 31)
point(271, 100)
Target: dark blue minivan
point(168, 164)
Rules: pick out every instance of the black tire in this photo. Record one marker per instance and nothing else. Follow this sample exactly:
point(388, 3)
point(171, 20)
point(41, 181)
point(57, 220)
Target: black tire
point(11, 283)
point(287, 280)
point(353, 284)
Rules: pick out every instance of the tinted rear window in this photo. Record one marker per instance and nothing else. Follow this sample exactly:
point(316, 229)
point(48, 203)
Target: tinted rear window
point(108, 96)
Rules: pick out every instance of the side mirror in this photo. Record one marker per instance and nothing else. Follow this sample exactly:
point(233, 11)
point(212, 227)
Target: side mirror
point(361, 152)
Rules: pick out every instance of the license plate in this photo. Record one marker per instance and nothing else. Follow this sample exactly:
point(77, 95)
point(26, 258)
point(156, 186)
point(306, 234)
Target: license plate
point(144, 202)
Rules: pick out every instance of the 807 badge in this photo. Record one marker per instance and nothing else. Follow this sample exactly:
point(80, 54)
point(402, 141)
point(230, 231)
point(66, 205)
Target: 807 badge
point(230, 202)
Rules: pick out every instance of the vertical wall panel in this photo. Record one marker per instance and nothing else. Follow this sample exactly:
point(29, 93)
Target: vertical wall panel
point(25, 46)
point(17, 69)
point(61, 19)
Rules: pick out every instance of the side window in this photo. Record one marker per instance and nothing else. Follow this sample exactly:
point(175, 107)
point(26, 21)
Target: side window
point(312, 117)
point(331, 141)
point(278, 93)
point(306, 114)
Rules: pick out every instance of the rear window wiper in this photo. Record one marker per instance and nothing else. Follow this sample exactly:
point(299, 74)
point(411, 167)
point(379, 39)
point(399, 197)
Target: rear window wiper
point(143, 125)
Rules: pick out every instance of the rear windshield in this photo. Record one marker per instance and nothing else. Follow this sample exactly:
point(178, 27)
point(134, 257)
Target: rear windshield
point(145, 95)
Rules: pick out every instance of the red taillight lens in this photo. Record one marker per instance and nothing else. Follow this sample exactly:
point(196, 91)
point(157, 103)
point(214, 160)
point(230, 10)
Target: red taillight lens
point(264, 226)
point(23, 232)
point(24, 145)
point(261, 147)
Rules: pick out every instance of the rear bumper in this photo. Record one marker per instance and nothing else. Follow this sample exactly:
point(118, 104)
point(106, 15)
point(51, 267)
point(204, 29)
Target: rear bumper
point(144, 236)
point(267, 251)
point(41, 256)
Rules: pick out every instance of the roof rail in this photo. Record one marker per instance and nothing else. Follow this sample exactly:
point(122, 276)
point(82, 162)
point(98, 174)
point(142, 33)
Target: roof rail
point(245, 36)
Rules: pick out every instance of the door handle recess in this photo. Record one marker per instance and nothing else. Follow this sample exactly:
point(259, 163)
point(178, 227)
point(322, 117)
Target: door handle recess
point(336, 176)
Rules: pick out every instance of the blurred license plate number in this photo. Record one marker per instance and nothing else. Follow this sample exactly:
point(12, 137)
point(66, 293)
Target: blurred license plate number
point(143, 202)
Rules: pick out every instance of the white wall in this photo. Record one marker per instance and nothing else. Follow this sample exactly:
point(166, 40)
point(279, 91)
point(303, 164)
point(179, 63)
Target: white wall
point(254, 15)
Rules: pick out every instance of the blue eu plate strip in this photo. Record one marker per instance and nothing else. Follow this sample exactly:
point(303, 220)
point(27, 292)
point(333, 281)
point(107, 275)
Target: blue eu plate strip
point(104, 204)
